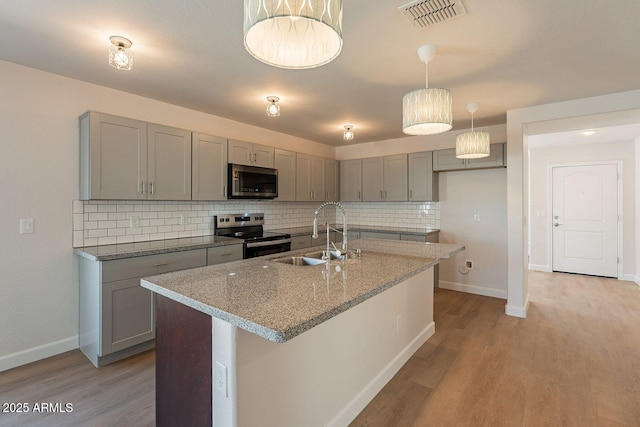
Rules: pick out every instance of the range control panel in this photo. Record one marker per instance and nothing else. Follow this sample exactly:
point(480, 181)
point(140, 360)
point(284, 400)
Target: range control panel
point(239, 220)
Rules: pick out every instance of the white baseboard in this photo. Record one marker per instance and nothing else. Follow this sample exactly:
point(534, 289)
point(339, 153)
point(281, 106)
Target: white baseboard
point(537, 267)
point(23, 357)
point(366, 395)
point(631, 278)
point(471, 289)
point(516, 311)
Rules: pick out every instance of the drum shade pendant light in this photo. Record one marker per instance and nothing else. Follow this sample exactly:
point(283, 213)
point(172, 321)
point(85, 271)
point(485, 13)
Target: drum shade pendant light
point(427, 111)
point(120, 55)
point(472, 145)
point(293, 33)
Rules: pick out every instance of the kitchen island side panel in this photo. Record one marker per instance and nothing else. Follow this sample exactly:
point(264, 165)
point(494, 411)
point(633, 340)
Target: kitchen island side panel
point(183, 365)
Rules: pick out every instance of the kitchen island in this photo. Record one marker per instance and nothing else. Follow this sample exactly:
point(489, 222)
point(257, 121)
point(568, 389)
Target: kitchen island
point(262, 342)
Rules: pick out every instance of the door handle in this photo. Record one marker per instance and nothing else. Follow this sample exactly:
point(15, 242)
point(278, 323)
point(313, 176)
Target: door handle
point(556, 224)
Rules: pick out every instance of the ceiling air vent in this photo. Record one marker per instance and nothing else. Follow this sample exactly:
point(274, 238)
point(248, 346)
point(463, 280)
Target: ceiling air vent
point(424, 13)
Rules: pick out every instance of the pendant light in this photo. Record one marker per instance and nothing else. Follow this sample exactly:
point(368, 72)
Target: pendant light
point(427, 111)
point(293, 33)
point(472, 145)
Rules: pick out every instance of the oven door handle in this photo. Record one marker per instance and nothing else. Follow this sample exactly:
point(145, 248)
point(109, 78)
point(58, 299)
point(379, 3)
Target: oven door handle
point(268, 243)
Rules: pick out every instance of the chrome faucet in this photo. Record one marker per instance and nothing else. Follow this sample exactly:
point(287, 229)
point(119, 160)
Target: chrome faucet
point(344, 227)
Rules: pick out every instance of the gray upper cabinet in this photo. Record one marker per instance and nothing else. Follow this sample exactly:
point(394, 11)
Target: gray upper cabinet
point(496, 158)
point(113, 157)
point(444, 160)
point(332, 174)
point(247, 153)
point(372, 179)
point(310, 178)
point(423, 183)
point(351, 180)
point(209, 167)
point(168, 163)
point(129, 159)
point(384, 178)
point(285, 163)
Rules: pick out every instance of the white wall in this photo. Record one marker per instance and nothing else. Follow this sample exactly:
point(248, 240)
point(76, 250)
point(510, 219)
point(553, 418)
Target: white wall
point(464, 194)
point(518, 121)
point(39, 179)
point(486, 241)
point(637, 157)
point(541, 160)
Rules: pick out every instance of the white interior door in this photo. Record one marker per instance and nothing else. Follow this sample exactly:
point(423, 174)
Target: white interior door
point(585, 219)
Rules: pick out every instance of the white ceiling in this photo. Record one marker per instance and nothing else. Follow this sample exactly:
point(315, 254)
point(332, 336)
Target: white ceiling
point(502, 54)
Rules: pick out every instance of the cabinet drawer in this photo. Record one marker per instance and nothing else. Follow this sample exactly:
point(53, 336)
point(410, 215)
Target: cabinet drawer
point(152, 264)
point(412, 238)
point(376, 235)
point(300, 242)
point(224, 254)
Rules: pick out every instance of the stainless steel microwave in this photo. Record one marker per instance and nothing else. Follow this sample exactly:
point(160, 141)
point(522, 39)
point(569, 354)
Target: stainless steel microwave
point(251, 182)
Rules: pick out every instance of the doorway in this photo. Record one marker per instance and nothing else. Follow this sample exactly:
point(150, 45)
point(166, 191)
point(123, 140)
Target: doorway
point(585, 219)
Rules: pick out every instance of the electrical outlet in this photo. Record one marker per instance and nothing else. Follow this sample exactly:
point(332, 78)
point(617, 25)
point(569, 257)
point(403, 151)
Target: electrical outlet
point(220, 378)
point(398, 322)
point(134, 221)
point(468, 264)
point(476, 217)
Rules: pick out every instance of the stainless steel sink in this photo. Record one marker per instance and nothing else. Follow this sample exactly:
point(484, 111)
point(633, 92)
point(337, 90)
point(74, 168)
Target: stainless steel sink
point(311, 258)
point(299, 260)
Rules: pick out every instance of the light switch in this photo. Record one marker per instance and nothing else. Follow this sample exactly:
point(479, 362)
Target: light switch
point(26, 226)
point(476, 217)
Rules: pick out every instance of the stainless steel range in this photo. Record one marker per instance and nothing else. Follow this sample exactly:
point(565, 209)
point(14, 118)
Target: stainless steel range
point(249, 226)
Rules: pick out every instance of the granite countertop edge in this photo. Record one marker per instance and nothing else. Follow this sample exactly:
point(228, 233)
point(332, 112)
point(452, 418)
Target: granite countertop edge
point(304, 230)
point(285, 335)
point(129, 250)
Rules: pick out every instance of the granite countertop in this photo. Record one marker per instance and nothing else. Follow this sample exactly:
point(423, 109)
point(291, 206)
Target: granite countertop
point(301, 231)
point(279, 301)
point(130, 250)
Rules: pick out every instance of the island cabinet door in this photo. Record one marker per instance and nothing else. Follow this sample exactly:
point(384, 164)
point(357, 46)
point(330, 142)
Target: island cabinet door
point(183, 365)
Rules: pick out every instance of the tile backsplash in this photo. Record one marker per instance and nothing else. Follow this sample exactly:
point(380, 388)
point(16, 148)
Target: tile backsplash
point(106, 222)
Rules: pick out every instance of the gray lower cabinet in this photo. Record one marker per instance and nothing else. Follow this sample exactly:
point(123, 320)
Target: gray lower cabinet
point(221, 254)
point(116, 317)
point(379, 235)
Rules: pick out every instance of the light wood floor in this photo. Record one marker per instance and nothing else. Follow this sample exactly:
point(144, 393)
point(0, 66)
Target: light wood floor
point(575, 361)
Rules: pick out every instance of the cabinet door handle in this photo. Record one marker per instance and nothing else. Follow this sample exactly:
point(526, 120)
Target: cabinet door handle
point(143, 186)
point(151, 184)
point(309, 194)
point(160, 264)
point(411, 194)
point(255, 157)
point(327, 196)
point(227, 254)
point(359, 197)
point(249, 156)
point(224, 191)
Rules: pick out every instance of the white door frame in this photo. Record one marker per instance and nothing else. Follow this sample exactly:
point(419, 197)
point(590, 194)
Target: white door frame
point(549, 222)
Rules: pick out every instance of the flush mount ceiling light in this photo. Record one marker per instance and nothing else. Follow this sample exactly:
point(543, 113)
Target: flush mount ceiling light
point(293, 33)
point(273, 106)
point(426, 111)
point(120, 56)
point(472, 145)
point(348, 132)
point(588, 132)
